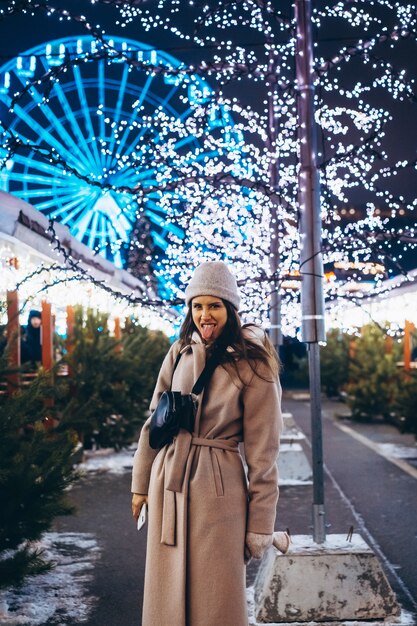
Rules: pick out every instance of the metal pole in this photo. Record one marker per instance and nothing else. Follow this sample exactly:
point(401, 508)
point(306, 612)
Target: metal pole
point(47, 336)
point(319, 513)
point(13, 341)
point(311, 263)
point(275, 301)
point(275, 317)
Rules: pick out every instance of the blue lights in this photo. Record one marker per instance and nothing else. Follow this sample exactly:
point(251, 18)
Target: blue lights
point(96, 137)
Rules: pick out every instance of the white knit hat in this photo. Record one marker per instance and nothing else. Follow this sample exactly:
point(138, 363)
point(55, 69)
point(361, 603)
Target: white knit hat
point(213, 278)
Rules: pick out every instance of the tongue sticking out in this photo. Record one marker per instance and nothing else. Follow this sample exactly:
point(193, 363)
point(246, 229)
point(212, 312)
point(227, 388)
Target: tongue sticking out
point(207, 331)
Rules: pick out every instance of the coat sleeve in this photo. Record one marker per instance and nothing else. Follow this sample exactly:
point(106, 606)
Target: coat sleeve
point(262, 426)
point(145, 455)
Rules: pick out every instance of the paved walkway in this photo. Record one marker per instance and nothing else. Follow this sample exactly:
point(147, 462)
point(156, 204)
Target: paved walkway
point(379, 488)
point(363, 489)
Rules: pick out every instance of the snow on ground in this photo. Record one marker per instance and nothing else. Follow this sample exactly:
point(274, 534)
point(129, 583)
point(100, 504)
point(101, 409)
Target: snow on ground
point(107, 460)
point(292, 482)
point(334, 543)
point(405, 619)
point(58, 596)
point(397, 451)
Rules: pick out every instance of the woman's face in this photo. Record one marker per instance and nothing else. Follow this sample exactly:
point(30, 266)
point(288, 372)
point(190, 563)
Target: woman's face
point(209, 315)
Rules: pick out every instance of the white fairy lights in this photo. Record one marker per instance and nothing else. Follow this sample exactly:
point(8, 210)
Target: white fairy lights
point(212, 167)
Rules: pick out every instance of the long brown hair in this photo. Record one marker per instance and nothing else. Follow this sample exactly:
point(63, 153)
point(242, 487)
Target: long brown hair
point(252, 351)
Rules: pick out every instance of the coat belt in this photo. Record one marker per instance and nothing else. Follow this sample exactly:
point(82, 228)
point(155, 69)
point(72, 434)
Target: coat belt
point(176, 460)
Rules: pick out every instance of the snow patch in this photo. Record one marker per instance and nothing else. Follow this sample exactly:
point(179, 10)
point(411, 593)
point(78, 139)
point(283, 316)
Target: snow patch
point(396, 451)
point(59, 595)
point(405, 619)
point(107, 460)
point(289, 482)
point(300, 395)
point(334, 543)
point(292, 434)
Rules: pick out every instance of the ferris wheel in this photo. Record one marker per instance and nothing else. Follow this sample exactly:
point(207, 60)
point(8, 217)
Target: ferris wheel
point(84, 133)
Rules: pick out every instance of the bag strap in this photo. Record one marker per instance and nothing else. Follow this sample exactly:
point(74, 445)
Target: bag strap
point(207, 372)
point(177, 360)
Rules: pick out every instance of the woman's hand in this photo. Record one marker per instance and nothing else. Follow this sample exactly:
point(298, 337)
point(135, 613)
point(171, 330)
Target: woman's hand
point(138, 501)
point(255, 545)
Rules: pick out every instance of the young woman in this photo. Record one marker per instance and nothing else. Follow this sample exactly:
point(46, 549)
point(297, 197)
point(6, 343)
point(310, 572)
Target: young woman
point(206, 518)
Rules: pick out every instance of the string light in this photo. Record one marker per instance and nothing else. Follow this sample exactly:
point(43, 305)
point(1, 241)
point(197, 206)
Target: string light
point(211, 168)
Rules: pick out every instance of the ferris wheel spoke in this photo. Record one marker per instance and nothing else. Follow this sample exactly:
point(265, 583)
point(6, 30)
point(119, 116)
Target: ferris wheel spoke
point(157, 137)
point(131, 179)
point(106, 210)
point(122, 233)
point(46, 110)
point(42, 133)
point(183, 142)
point(127, 205)
point(160, 221)
point(169, 96)
point(135, 114)
point(108, 206)
point(93, 230)
point(156, 140)
point(101, 96)
point(53, 170)
point(118, 261)
point(159, 241)
point(135, 142)
point(103, 234)
point(69, 213)
point(117, 113)
point(87, 118)
point(75, 128)
point(57, 125)
point(34, 178)
point(47, 205)
point(99, 242)
point(79, 229)
point(72, 210)
point(34, 193)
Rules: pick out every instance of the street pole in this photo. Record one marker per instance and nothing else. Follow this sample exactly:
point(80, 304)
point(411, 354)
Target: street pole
point(311, 262)
point(275, 296)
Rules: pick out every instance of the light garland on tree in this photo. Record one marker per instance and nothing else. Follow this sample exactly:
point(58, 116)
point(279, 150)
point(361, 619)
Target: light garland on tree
point(212, 168)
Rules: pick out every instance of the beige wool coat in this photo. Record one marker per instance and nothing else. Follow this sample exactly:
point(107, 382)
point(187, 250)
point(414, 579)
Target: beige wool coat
point(201, 503)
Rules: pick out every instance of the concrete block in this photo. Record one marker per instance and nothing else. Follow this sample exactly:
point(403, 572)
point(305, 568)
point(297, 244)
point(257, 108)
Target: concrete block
point(293, 466)
point(290, 429)
point(288, 420)
point(292, 434)
point(337, 580)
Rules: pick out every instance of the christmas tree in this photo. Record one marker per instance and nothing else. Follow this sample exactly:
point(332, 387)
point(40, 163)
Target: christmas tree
point(35, 469)
point(406, 404)
point(110, 383)
point(373, 375)
point(144, 350)
point(335, 362)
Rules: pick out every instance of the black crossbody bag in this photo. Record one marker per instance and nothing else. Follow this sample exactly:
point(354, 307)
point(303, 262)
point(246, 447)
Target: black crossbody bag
point(176, 410)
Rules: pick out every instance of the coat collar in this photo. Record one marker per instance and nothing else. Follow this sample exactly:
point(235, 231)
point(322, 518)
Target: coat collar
point(196, 342)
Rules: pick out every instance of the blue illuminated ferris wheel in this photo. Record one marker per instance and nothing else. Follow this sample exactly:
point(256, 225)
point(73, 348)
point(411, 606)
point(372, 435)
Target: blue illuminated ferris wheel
point(96, 121)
